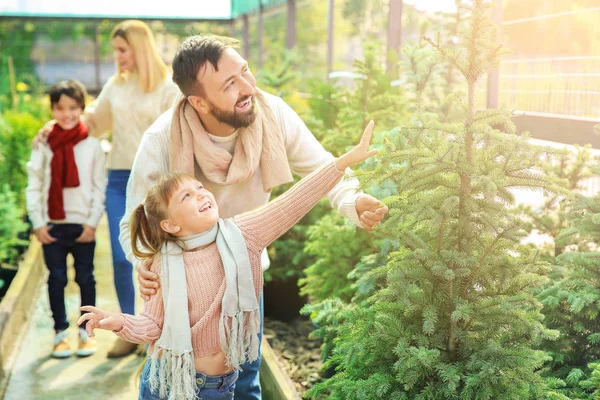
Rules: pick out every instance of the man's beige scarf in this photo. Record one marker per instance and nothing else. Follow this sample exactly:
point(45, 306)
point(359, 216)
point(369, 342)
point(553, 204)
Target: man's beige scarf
point(260, 144)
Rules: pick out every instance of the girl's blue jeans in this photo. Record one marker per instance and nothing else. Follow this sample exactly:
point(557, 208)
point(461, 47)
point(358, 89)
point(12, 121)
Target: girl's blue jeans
point(207, 387)
point(115, 209)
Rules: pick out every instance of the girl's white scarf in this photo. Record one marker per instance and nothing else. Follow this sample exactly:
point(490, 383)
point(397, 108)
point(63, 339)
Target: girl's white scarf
point(172, 367)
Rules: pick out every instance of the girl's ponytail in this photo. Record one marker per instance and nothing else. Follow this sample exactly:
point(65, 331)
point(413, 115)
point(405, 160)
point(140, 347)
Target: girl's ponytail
point(143, 240)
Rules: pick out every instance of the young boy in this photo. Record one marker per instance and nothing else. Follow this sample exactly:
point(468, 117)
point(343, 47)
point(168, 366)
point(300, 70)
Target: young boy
point(65, 200)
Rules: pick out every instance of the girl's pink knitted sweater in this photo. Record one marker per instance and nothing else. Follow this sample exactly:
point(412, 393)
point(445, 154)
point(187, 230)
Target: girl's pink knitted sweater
point(204, 268)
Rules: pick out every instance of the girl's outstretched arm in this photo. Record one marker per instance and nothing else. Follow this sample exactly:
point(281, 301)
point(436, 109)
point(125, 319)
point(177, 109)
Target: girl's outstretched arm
point(143, 328)
point(263, 226)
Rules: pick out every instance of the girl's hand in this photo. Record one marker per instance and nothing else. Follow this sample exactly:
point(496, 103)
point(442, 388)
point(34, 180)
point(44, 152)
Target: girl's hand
point(360, 152)
point(96, 318)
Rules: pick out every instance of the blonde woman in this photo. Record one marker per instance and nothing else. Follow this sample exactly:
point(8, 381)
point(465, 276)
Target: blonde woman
point(139, 92)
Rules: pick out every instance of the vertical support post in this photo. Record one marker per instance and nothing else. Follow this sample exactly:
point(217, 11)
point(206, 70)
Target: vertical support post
point(13, 83)
point(260, 30)
point(330, 38)
point(42, 70)
point(291, 24)
point(493, 84)
point(246, 36)
point(97, 58)
point(394, 37)
point(231, 27)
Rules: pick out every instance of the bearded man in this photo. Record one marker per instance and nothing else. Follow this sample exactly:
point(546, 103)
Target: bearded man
point(240, 142)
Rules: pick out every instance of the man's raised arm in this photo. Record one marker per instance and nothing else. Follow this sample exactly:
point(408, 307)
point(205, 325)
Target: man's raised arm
point(306, 154)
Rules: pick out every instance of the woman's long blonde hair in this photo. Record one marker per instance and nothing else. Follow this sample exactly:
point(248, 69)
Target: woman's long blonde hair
point(151, 69)
point(147, 236)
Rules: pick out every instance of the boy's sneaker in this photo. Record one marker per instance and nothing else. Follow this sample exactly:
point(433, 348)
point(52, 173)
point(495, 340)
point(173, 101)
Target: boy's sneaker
point(62, 349)
point(87, 344)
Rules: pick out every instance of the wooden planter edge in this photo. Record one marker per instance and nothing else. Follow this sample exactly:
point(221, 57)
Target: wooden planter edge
point(274, 381)
point(16, 308)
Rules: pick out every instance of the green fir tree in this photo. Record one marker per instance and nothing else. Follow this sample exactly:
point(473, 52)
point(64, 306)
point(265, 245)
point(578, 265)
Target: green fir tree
point(332, 241)
point(372, 97)
point(433, 85)
point(451, 314)
point(283, 79)
point(572, 302)
point(337, 118)
point(552, 216)
point(593, 383)
point(336, 246)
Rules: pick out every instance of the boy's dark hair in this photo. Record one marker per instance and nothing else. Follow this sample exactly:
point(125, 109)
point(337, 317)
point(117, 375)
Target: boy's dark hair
point(73, 89)
point(193, 54)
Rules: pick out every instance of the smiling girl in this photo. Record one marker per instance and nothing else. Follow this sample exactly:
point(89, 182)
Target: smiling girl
point(204, 322)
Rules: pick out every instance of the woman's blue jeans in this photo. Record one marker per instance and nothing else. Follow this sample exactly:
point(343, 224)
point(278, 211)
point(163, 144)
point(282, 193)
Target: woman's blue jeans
point(115, 209)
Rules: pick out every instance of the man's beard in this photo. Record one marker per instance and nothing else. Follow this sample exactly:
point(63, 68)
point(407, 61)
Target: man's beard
point(234, 119)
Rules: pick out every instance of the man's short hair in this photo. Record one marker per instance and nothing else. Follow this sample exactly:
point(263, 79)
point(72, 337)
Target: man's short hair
point(193, 54)
point(73, 89)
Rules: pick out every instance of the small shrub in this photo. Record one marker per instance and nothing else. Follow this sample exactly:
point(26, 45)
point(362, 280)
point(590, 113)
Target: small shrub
point(17, 130)
point(11, 225)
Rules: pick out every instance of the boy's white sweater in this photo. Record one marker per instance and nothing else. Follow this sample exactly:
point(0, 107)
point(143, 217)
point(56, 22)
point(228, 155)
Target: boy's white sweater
point(305, 155)
point(83, 204)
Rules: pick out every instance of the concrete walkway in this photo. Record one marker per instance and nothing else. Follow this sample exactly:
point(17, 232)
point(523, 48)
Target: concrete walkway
point(36, 376)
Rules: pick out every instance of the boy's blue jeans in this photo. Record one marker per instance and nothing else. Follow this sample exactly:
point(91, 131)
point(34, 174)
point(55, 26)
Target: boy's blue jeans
point(248, 384)
point(55, 256)
point(115, 209)
point(219, 387)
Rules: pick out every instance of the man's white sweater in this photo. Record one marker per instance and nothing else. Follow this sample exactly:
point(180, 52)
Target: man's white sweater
point(83, 204)
point(305, 154)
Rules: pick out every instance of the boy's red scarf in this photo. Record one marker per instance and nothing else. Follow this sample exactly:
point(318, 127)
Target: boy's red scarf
point(63, 169)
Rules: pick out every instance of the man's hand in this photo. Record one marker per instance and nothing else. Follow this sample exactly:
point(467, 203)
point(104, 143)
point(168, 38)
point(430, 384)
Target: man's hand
point(97, 318)
point(42, 135)
point(43, 235)
point(370, 211)
point(149, 282)
point(88, 235)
